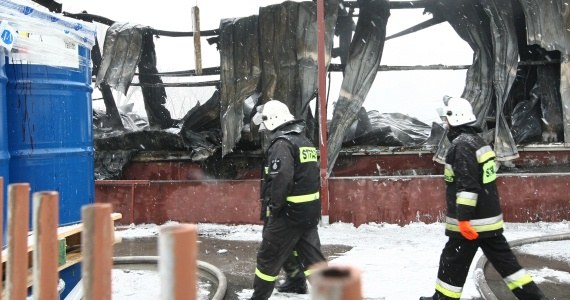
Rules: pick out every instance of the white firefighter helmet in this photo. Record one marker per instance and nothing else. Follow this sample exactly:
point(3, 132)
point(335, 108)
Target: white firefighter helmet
point(271, 115)
point(458, 111)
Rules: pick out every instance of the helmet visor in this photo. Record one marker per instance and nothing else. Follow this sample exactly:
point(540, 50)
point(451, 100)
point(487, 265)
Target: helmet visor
point(258, 117)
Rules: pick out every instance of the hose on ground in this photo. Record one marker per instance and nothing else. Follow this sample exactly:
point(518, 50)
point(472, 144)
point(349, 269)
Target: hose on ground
point(480, 280)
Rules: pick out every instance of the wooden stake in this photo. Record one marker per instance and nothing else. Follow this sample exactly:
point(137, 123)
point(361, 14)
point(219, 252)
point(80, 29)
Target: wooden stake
point(177, 261)
point(45, 253)
point(97, 251)
point(335, 283)
point(197, 42)
point(18, 226)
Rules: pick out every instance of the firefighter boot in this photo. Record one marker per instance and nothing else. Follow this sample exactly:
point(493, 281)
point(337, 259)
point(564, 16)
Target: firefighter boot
point(426, 298)
point(297, 285)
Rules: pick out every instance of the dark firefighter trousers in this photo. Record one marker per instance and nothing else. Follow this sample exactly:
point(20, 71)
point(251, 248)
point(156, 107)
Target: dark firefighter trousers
point(279, 241)
point(293, 266)
point(458, 254)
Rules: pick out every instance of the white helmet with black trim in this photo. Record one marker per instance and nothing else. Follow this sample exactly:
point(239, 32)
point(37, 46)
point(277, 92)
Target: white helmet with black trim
point(271, 115)
point(458, 111)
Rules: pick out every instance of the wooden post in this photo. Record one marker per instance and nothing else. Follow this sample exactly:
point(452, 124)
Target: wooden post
point(197, 42)
point(322, 102)
point(18, 225)
point(335, 283)
point(177, 261)
point(46, 219)
point(97, 251)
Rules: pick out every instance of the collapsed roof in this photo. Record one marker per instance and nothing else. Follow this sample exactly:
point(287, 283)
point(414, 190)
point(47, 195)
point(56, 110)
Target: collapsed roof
point(514, 83)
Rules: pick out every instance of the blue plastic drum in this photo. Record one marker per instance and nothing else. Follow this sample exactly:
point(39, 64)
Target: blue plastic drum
point(4, 151)
point(50, 131)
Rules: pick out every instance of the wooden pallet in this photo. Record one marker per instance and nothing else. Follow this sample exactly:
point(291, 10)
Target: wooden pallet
point(70, 247)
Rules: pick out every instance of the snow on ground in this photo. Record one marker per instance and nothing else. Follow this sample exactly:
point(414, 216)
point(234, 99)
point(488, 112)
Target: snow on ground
point(397, 262)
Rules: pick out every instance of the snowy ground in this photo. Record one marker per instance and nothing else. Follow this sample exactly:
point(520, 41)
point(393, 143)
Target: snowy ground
point(397, 262)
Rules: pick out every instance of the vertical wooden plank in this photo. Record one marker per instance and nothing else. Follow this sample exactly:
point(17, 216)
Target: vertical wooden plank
point(97, 251)
point(18, 220)
point(565, 96)
point(197, 42)
point(335, 283)
point(323, 140)
point(46, 245)
point(177, 261)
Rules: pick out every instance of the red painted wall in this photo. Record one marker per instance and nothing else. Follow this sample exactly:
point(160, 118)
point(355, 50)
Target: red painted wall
point(357, 200)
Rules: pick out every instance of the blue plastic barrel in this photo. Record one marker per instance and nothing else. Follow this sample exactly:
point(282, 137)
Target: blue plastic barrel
point(4, 151)
point(50, 131)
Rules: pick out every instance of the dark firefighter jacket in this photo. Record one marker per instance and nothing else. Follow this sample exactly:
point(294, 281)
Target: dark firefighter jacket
point(470, 174)
point(291, 177)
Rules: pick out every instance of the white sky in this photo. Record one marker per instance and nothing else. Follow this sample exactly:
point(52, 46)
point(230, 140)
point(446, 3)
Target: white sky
point(397, 262)
point(415, 93)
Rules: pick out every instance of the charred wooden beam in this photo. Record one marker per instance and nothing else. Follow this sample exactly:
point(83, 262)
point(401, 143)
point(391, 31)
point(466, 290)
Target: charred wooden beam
point(50, 4)
point(179, 84)
point(109, 22)
point(334, 68)
point(205, 71)
point(90, 18)
point(396, 4)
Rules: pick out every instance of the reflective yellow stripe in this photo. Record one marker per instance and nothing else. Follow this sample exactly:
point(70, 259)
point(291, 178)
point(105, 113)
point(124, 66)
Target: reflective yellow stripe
point(447, 292)
point(307, 154)
point(465, 201)
point(484, 154)
point(489, 172)
point(519, 283)
point(295, 253)
point(308, 272)
point(265, 276)
point(478, 228)
point(448, 173)
point(266, 170)
point(467, 198)
point(518, 280)
point(490, 227)
point(303, 198)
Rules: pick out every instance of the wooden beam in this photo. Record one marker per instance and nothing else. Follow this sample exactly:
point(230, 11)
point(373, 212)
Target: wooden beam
point(46, 258)
point(97, 251)
point(177, 247)
point(197, 43)
point(18, 220)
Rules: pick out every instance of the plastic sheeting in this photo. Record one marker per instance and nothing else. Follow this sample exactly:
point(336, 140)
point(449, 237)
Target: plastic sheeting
point(548, 25)
point(240, 74)
point(251, 62)
point(388, 129)
point(363, 62)
point(121, 54)
point(40, 37)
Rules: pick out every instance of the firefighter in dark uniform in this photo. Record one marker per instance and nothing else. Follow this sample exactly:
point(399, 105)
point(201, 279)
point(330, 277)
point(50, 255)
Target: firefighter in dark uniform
point(474, 218)
point(295, 280)
point(291, 191)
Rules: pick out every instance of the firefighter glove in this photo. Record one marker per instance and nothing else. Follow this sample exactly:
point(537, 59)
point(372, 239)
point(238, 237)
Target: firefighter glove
point(467, 231)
